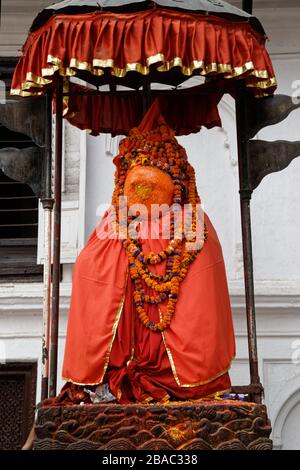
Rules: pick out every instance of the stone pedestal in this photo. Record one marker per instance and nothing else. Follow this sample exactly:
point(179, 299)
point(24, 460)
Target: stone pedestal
point(207, 425)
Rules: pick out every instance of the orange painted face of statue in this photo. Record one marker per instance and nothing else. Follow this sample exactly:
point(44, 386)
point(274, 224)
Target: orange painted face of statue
point(148, 185)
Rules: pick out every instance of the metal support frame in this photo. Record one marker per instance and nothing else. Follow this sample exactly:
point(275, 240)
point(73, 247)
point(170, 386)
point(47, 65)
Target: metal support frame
point(47, 203)
point(57, 238)
point(245, 198)
point(248, 6)
point(146, 94)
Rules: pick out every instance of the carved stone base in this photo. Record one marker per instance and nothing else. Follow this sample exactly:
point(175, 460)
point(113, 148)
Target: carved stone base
point(216, 425)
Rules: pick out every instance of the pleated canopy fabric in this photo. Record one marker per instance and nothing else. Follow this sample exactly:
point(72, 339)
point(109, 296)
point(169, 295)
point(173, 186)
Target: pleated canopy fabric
point(166, 45)
point(118, 114)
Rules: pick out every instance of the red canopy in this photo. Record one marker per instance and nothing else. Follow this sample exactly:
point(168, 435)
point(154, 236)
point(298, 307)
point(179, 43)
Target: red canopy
point(121, 48)
point(118, 43)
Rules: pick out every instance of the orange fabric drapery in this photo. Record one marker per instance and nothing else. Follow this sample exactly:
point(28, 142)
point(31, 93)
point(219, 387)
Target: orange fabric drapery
point(105, 42)
point(106, 340)
point(190, 359)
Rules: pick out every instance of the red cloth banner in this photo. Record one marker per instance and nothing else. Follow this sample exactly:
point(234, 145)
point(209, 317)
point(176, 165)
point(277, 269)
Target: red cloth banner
point(118, 114)
point(154, 40)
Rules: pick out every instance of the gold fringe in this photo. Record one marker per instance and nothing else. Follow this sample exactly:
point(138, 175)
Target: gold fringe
point(114, 331)
point(79, 383)
point(147, 400)
point(95, 68)
point(25, 94)
point(271, 82)
point(214, 396)
point(119, 394)
point(66, 89)
point(173, 367)
point(165, 399)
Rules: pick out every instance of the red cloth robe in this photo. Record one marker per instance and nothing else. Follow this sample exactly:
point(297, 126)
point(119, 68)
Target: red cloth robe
point(107, 343)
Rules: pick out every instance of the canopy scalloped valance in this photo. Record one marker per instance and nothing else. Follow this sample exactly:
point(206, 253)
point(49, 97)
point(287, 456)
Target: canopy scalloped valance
point(154, 42)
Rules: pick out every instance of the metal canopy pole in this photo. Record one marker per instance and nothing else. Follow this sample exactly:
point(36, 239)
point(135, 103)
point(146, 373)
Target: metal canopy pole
point(248, 6)
point(47, 203)
point(245, 197)
point(57, 238)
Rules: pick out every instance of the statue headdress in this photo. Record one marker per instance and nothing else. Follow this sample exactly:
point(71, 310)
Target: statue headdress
point(153, 143)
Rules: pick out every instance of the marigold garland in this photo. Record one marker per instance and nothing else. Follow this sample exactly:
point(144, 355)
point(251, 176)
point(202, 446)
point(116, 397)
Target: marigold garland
point(159, 148)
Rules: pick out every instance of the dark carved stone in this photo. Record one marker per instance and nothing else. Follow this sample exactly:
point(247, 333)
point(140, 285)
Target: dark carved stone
point(268, 111)
point(24, 165)
point(25, 116)
point(270, 157)
point(266, 157)
point(218, 425)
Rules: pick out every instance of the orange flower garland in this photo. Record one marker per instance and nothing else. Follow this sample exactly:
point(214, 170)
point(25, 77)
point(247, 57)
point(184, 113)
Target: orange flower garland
point(159, 148)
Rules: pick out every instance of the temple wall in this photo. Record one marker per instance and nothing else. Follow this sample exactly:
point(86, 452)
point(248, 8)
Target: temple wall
point(88, 183)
